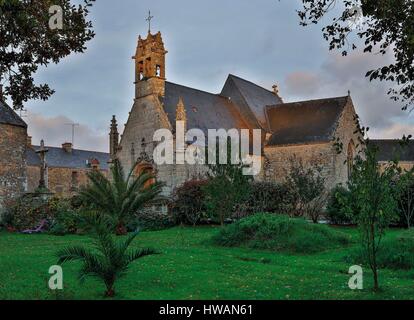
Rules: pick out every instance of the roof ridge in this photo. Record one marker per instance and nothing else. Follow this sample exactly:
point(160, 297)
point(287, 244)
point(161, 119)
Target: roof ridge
point(16, 119)
point(250, 82)
point(74, 149)
point(195, 89)
point(302, 101)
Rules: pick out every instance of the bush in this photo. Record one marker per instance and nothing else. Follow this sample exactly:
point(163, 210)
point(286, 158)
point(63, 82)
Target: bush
point(395, 254)
point(266, 197)
point(150, 220)
point(188, 205)
point(28, 211)
point(334, 211)
point(280, 233)
point(66, 219)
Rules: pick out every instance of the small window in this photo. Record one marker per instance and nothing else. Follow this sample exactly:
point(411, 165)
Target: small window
point(158, 71)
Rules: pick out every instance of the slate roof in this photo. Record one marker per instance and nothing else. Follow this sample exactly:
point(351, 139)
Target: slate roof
point(390, 149)
point(8, 116)
point(204, 110)
point(59, 158)
point(304, 122)
point(251, 98)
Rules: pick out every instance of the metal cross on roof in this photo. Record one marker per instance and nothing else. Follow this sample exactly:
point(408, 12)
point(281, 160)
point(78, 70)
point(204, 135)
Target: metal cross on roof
point(150, 17)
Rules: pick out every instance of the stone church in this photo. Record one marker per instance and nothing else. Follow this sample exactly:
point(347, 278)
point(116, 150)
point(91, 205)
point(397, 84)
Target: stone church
point(306, 130)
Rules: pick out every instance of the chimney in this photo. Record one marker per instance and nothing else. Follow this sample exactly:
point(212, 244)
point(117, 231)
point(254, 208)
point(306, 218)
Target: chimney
point(67, 146)
point(29, 141)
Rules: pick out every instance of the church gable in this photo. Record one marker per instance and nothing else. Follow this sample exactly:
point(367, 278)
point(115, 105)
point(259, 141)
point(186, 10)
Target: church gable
point(251, 99)
point(312, 121)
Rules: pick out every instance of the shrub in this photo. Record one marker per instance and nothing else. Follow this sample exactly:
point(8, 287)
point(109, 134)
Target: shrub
point(404, 193)
point(266, 197)
point(188, 205)
point(27, 212)
point(394, 254)
point(334, 209)
point(280, 233)
point(150, 220)
point(308, 187)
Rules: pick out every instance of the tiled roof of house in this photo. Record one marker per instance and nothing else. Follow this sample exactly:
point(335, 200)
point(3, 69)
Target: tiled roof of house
point(77, 159)
point(392, 149)
point(305, 121)
point(9, 116)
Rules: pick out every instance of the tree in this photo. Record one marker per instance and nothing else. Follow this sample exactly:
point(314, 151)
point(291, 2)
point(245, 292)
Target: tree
point(110, 259)
point(405, 196)
point(373, 206)
point(27, 42)
point(308, 188)
point(120, 197)
point(382, 26)
point(226, 187)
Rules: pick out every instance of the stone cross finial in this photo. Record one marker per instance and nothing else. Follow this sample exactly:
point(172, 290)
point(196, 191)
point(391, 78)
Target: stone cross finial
point(150, 17)
point(275, 89)
point(42, 153)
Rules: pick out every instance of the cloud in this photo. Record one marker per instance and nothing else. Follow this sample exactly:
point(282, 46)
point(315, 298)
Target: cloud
point(302, 83)
point(55, 131)
point(337, 75)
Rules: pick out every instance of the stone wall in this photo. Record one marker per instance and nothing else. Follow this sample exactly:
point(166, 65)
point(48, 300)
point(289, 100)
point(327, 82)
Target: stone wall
point(63, 182)
point(13, 141)
point(327, 155)
point(278, 160)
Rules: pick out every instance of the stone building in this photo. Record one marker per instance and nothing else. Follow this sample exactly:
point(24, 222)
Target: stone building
point(389, 150)
point(66, 168)
point(13, 141)
point(307, 130)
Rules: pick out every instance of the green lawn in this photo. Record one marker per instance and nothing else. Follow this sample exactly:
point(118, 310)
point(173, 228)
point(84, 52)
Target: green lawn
point(190, 268)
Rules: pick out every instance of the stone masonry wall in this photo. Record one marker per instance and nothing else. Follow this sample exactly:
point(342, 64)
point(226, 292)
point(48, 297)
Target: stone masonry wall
point(278, 160)
point(13, 140)
point(63, 182)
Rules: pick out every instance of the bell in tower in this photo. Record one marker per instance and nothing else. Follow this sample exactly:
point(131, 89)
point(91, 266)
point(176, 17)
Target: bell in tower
point(150, 65)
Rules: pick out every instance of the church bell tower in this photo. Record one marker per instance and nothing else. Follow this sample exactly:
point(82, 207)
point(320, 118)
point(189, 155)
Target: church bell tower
point(150, 66)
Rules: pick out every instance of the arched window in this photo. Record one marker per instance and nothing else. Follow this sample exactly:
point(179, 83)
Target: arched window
point(158, 71)
point(350, 158)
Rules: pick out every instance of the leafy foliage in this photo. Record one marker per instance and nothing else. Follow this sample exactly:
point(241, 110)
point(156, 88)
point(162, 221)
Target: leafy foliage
point(394, 254)
point(308, 188)
point(27, 42)
point(334, 208)
point(267, 197)
point(226, 187)
point(280, 233)
point(109, 260)
point(371, 204)
point(189, 202)
point(387, 26)
point(121, 196)
point(405, 197)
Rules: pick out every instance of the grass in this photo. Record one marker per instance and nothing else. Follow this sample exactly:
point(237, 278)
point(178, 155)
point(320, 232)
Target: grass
point(280, 233)
point(191, 268)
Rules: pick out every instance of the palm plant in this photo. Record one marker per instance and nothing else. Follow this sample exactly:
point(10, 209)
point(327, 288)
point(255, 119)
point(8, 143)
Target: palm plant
point(108, 261)
point(120, 196)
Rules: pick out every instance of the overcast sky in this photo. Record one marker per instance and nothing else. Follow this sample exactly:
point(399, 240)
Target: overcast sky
point(257, 40)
